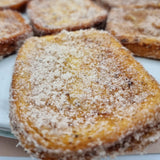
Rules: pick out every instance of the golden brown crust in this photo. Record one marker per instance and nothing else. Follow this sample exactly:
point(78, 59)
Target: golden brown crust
point(48, 16)
point(144, 50)
point(137, 29)
point(12, 36)
point(13, 4)
point(82, 90)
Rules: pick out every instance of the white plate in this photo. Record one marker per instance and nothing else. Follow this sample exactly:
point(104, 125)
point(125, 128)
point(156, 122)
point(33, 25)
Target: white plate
point(152, 66)
point(6, 69)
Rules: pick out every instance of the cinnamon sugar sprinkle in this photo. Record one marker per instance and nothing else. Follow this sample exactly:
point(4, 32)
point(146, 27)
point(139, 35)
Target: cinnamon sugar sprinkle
point(138, 22)
point(10, 24)
point(57, 14)
point(73, 79)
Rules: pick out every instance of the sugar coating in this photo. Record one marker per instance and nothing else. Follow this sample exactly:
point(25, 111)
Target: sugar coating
point(76, 86)
point(138, 22)
point(10, 24)
point(132, 3)
point(60, 14)
point(13, 31)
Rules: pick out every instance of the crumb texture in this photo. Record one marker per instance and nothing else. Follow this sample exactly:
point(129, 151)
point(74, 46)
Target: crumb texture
point(80, 89)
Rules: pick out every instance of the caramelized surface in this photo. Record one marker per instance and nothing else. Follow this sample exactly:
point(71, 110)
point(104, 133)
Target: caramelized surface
point(135, 22)
point(76, 91)
point(8, 17)
point(137, 27)
point(13, 31)
point(49, 16)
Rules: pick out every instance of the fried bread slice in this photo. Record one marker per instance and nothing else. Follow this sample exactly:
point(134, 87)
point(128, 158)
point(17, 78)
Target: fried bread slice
point(13, 31)
point(49, 16)
point(137, 29)
point(13, 4)
point(130, 3)
point(81, 95)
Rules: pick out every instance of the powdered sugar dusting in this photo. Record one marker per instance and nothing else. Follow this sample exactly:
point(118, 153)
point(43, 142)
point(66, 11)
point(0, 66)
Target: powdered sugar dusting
point(78, 85)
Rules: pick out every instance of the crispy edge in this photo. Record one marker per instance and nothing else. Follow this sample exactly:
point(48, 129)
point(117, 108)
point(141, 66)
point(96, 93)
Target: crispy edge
point(142, 49)
point(138, 45)
point(11, 44)
point(28, 142)
point(126, 145)
point(39, 30)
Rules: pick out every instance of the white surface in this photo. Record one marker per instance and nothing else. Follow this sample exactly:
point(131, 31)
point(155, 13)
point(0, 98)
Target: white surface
point(6, 69)
point(152, 66)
